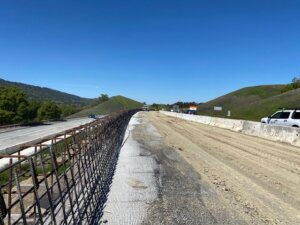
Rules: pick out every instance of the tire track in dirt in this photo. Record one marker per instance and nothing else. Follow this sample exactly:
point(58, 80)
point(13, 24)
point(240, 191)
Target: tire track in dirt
point(258, 174)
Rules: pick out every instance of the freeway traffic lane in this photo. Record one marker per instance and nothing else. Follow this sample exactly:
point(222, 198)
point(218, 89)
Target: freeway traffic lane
point(14, 137)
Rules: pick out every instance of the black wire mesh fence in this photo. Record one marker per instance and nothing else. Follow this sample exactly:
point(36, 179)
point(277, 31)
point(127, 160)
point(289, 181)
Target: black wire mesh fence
point(64, 179)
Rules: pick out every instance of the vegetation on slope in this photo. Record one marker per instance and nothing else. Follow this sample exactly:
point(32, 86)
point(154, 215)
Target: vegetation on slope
point(22, 103)
point(114, 104)
point(239, 101)
point(253, 103)
point(46, 94)
point(292, 86)
point(266, 107)
point(16, 108)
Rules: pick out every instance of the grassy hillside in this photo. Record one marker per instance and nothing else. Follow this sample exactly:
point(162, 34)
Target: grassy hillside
point(43, 94)
point(265, 107)
point(114, 104)
point(252, 102)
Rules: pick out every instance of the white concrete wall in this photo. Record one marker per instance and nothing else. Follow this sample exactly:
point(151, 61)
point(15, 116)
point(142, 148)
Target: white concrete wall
point(288, 135)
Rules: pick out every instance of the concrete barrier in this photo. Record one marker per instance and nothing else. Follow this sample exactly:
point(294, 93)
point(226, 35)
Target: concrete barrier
point(288, 135)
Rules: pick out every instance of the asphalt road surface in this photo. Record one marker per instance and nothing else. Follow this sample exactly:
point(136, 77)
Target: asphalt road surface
point(12, 137)
point(173, 171)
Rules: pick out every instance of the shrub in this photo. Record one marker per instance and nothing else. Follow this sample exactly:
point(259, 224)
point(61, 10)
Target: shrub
point(6, 117)
point(49, 111)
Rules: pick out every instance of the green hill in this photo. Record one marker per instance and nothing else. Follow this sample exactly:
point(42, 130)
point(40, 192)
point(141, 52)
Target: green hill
point(252, 103)
point(114, 104)
point(43, 94)
point(268, 106)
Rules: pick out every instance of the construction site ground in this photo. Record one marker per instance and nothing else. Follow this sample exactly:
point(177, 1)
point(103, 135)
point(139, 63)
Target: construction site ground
point(173, 171)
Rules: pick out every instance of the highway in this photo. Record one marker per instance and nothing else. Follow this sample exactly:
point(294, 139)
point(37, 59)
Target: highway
point(21, 135)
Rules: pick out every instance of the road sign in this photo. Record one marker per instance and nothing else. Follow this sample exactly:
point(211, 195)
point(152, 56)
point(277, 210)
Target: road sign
point(218, 108)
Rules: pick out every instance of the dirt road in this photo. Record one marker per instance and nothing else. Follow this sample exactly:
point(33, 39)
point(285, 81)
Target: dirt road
point(154, 184)
point(257, 178)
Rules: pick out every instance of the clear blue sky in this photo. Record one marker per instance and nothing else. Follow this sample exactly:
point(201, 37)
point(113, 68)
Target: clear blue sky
point(150, 50)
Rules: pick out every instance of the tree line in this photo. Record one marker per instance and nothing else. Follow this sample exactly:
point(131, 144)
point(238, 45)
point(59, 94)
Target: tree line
point(181, 105)
point(292, 86)
point(15, 108)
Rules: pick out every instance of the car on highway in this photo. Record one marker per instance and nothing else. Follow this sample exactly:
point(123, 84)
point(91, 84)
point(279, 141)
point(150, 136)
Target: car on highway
point(92, 117)
point(285, 117)
point(191, 112)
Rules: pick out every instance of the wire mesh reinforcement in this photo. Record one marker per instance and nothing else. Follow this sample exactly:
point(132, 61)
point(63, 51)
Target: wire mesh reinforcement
point(64, 180)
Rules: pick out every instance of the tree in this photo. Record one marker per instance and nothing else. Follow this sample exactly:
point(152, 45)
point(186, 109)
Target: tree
point(33, 108)
point(296, 82)
point(294, 85)
point(49, 111)
point(22, 114)
point(185, 104)
point(103, 98)
point(155, 107)
point(68, 110)
point(6, 117)
point(10, 98)
point(13, 105)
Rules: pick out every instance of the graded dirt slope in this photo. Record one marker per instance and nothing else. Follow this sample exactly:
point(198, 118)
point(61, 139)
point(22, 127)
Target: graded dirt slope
point(258, 178)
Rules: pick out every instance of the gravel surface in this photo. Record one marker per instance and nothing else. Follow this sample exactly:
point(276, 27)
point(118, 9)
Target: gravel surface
point(257, 178)
point(155, 184)
point(133, 185)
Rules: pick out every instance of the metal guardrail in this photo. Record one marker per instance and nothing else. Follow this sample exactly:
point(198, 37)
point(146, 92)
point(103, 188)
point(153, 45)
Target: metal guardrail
point(66, 179)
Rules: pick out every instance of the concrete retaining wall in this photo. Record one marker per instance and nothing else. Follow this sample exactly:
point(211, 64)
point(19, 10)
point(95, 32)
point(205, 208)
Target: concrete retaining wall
point(288, 135)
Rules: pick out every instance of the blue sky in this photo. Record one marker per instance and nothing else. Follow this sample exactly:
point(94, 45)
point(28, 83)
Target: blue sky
point(150, 50)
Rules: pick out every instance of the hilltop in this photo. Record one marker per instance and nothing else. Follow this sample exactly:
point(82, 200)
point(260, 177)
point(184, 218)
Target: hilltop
point(114, 104)
point(47, 94)
point(252, 103)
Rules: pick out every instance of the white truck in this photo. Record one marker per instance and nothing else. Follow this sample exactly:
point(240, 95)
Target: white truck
point(285, 117)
